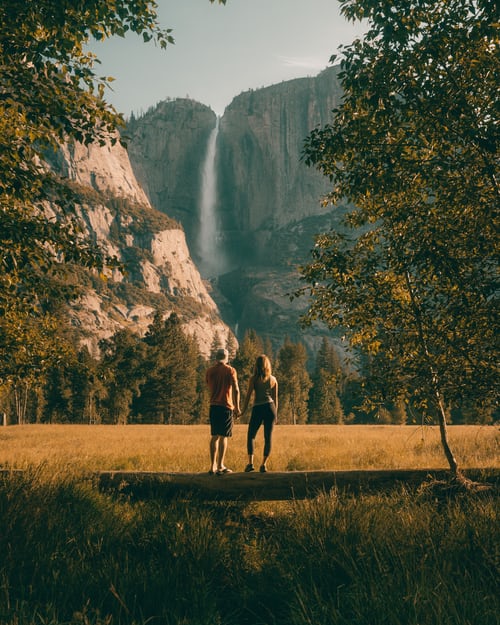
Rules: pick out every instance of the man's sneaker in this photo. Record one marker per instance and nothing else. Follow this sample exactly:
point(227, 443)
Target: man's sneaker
point(249, 468)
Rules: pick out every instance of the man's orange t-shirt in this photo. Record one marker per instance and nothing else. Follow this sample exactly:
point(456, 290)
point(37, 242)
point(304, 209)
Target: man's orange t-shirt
point(220, 379)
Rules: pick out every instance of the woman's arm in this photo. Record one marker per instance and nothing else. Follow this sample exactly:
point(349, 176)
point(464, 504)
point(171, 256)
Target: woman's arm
point(274, 394)
point(248, 395)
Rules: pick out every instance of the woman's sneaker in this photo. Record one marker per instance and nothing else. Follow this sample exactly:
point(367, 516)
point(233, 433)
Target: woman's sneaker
point(249, 468)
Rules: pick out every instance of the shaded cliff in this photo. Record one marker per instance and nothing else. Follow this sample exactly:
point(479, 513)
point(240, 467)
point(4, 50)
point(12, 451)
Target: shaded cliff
point(167, 147)
point(263, 184)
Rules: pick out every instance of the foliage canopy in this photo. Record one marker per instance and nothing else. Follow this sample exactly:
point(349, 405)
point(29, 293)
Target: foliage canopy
point(50, 93)
point(413, 148)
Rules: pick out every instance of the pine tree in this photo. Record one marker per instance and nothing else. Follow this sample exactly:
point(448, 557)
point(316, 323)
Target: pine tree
point(59, 394)
point(200, 413)
point(122, 371)
point(268, 349)
point(324, 400)
point(294, 382)
point(328, 359)
point(87, 389)
point(216, 344)
point(169, 392)
point(231, 345)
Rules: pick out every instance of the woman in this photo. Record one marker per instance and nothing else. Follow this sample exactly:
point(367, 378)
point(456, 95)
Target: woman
point(264, 411)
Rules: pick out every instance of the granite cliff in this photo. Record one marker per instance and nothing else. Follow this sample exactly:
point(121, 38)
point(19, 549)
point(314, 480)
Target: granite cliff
point(266, 204)
point(167, 148)
point(159, 272)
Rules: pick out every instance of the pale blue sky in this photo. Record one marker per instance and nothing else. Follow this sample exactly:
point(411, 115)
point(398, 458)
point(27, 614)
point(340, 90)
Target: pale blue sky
point(221, 51)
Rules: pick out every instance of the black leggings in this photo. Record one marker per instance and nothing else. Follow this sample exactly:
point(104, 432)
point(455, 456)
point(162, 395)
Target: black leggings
point(262, 413)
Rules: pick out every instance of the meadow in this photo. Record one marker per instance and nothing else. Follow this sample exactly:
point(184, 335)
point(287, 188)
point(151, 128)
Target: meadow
point(178, 448)
point(72, 555)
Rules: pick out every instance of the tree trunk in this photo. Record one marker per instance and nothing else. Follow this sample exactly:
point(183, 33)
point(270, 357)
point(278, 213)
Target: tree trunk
point(21, 401)
point(436, 394)
point(443, 430)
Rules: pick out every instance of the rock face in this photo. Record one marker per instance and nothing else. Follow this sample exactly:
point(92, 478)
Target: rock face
point(268, 202)
point(263, 182)
point(104, 169)
point(160, 273)
point(167, 148)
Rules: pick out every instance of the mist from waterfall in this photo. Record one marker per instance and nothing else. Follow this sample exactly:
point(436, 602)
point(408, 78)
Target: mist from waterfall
point(210, 246)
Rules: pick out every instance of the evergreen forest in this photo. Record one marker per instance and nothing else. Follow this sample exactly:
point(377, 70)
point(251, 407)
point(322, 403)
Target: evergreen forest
point(159, 378)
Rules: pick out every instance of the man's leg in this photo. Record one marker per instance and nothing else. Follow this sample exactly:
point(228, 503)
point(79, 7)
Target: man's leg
point(214, 448)
point(222, 444)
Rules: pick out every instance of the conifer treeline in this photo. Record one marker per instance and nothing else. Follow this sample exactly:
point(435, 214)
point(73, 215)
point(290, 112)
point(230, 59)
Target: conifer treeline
point(160, 379)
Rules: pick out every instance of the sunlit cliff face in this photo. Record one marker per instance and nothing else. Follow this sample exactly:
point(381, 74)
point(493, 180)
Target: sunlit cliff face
point(158, 268)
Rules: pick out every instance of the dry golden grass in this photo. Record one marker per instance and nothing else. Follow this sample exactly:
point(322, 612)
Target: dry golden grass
point(296, 448)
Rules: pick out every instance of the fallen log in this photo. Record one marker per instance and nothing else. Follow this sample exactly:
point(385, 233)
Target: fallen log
point(274, 486)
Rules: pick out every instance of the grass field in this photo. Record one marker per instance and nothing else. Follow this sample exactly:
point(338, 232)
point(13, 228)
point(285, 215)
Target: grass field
point(72, 555)
point(176, 448)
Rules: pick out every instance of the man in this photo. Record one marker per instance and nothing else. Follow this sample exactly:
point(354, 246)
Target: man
point(222, 381)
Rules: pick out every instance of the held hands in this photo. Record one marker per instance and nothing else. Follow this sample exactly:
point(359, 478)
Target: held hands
point(239, 413)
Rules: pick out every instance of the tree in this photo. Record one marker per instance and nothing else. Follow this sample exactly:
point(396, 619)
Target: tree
point(89, 391)
point(373, 369)
point(27, 344)
point(231, 345)
point(71, 390)
point(215, 345)
point(413, 147)
point(328, 359)
point(294, 382)
point(201, 406)
point(169, 392)
point(267, 346)
point(324, 399)
point(50, 94)
point(123, 372)
point(30, 348)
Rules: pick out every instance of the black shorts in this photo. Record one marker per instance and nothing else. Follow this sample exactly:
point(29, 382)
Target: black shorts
point(221, 421)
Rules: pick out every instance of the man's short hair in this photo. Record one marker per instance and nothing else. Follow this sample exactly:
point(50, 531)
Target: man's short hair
point(222, 355)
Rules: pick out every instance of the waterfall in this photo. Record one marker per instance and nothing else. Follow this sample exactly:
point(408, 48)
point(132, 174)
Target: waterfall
point(210, 251)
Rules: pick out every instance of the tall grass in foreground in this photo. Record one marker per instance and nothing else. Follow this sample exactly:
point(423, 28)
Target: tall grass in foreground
point(73, 555)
